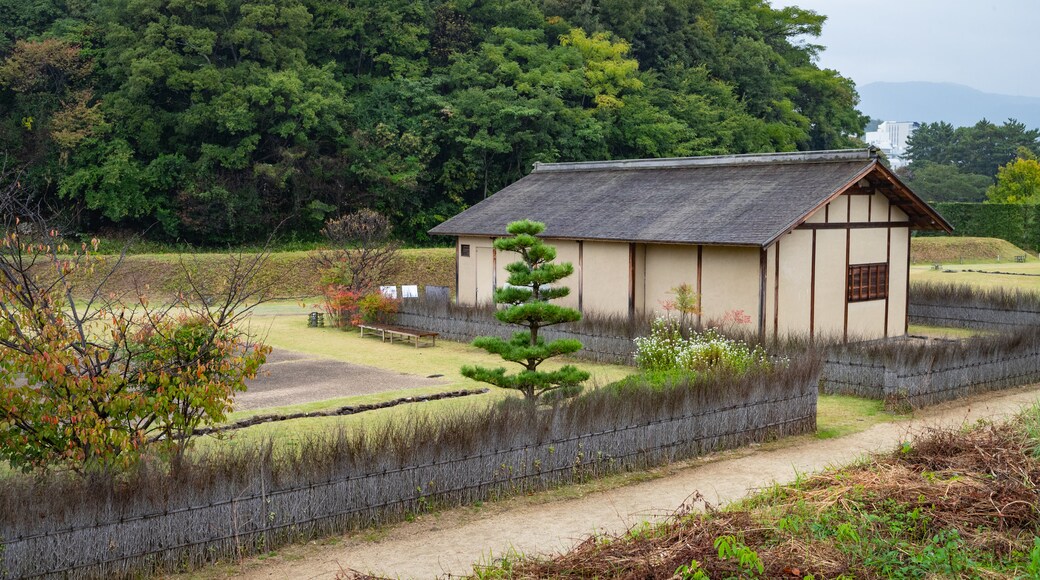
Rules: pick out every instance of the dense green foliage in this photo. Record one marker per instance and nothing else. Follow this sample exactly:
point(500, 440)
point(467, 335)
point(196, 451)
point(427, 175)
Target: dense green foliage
point(944, 182)
point(220, 119)
point(531, 286)
point(960, 164)
point(1016, 223)
point(978, 150)
point(1018, 181)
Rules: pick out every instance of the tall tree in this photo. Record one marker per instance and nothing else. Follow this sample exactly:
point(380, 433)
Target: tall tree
point(1018, 181)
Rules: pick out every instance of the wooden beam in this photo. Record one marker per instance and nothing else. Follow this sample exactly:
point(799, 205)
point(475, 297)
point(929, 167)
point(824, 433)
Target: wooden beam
point(812, 290)
point(888, 260)
point(700, 296)
point(776, 291)
point(581, 274)
point(631, 280)
point(845, 274)
point(853, 226)
point(763, 266)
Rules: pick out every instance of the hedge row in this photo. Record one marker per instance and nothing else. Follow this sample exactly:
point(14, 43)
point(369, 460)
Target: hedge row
point(1018, 224)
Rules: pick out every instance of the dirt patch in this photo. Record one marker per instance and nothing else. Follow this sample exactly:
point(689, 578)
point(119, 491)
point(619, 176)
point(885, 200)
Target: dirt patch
point(453, 540)
point(291, 378)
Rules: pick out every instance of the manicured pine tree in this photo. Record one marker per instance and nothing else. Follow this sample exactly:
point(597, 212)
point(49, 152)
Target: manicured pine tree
point(531, 287)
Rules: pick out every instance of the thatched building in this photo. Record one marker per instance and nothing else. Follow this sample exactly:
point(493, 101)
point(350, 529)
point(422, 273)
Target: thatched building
point(804, 243)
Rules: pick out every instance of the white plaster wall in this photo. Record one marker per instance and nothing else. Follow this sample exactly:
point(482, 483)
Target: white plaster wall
point(605, 277)
point(730, 281)
point(830, 283)
point(795, 290)
point(898, 270)
point(667, 266)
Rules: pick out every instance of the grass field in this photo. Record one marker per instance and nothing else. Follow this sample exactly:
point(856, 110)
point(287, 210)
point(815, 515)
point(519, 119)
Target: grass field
point(285, 325)
point(1009, 275)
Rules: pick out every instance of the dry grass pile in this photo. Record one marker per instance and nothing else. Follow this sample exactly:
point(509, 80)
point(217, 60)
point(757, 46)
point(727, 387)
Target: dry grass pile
point(947, 504)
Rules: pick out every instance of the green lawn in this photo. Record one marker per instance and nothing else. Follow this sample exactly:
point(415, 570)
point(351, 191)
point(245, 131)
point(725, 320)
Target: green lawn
point(958, 274)
point(285, 325)
point(840, 415)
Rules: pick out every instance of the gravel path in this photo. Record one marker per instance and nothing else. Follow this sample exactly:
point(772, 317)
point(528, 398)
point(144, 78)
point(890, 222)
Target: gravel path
point(289, 378)
point(453, 540)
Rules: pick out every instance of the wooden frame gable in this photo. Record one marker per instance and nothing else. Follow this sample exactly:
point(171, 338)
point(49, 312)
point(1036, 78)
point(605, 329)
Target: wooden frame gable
point(876, 178)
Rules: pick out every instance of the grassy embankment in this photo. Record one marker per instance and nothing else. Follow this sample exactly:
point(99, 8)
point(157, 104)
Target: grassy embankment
point(948, 504)
point(288, 274)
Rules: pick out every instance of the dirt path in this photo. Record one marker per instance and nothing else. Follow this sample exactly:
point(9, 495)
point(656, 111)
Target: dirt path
point(453, 540)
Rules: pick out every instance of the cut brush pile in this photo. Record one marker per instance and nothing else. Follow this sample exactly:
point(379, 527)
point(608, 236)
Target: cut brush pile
point(947, 504)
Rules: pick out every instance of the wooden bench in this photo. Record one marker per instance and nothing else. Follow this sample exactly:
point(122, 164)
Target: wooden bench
point(387, 331)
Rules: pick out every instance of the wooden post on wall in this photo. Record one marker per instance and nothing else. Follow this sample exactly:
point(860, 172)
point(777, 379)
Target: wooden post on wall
point(776, 291)
point(581, 274)
point(700, 295)
point(763, 267)
point(812, 290)
point(631, 280)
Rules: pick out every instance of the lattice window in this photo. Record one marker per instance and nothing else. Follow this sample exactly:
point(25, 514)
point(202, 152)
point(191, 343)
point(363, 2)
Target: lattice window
point(464, 250)
point(868, 282)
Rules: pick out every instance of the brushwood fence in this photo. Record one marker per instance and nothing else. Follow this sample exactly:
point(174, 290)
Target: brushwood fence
point(966, 307)
point(918, 373)
point(604, 339)
point(237, 501)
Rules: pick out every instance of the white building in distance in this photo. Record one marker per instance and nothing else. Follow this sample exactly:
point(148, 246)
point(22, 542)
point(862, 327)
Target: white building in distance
point(891, 137)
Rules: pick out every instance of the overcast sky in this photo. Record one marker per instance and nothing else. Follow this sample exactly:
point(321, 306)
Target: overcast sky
point(989, 45)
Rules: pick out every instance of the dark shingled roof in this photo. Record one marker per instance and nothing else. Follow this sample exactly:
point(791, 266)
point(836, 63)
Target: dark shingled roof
point(747, 200)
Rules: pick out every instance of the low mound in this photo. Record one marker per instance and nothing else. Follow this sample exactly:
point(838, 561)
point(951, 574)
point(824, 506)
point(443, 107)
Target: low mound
point(946, 250)
point(289, 274)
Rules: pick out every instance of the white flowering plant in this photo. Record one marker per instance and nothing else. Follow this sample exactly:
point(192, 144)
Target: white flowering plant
point(667, 349)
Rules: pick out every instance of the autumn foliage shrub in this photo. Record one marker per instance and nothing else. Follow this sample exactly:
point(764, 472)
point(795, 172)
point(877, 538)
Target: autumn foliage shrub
point(376, 307)
point(91, 385)
point(348, 308)
point(341, 305)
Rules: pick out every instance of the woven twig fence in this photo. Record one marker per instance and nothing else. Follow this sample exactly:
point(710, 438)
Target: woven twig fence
point(604, 339)
point(967, 307)
point(227, 507)
point(921, 373)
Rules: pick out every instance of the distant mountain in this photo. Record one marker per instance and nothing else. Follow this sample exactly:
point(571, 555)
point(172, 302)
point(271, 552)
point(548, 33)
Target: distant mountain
point(958, 105)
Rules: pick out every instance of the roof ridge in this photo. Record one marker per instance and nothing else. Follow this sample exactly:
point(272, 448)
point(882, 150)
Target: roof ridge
point(833, 155)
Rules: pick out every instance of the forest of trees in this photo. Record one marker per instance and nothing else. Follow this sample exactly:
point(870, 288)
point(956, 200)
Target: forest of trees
point(212, 121)
point(978, 163)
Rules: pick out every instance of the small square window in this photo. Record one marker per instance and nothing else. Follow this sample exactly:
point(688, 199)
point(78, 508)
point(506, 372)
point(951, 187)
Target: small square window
point(868, 282)
point(464, 250)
